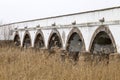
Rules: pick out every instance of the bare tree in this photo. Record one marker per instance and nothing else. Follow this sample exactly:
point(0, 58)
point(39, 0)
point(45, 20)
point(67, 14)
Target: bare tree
point(7, 33)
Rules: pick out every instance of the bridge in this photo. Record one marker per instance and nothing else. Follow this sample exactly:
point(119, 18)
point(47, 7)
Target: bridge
point(90, 31)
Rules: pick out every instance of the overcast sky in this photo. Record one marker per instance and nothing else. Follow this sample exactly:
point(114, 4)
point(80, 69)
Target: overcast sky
point(20, 10)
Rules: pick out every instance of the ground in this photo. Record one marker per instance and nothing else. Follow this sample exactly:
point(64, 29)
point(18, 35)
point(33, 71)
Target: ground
point(31, 64)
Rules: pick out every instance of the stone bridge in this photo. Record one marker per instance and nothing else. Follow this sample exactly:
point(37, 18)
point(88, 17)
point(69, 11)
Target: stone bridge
point(90, 31)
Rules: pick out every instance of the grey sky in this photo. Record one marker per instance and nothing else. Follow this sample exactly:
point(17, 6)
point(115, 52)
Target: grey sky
point(20, 10)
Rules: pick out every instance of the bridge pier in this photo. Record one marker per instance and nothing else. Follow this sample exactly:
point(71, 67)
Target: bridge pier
point(82, 32)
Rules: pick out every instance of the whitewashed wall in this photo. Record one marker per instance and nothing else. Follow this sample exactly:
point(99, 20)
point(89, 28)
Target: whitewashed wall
point(87, 32)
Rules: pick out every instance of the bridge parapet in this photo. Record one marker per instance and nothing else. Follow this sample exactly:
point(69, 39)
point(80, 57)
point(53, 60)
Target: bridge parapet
point(90, 24)
point(86, 23)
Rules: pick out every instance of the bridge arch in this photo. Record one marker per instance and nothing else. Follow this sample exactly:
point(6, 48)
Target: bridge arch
point(75, 41)
point(27, 40)
point(102, 40)
point(39, 41)
point(55, 39)
point(16, 39)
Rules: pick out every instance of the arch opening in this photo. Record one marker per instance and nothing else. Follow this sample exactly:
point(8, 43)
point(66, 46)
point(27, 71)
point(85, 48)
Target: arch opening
point(74, 43)
point(26, 41)
point(17, 40)
point(39, 42)
point(102, 43)
point(54, 41)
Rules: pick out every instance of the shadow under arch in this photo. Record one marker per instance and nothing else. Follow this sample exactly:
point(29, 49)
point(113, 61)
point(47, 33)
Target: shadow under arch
point(102, 40)
point(27, 40)
point(75, 41)
point(16, 39)
point(39, 41)
point(55, 39)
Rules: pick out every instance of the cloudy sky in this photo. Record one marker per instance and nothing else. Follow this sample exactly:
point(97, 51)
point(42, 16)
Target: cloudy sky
point(20, 10)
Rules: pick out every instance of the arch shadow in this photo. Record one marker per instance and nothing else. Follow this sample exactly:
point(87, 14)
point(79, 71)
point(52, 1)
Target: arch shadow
point(16, 39)
point(107, 38)
point(78, 33)
point(41, 41)
point(27, 42)
point(54, 36)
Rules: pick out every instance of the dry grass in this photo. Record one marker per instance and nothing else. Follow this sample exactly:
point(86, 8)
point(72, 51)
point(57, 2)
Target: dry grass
point(17, 64)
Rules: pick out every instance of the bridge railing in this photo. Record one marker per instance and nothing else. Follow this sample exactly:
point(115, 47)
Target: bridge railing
point(91, 24)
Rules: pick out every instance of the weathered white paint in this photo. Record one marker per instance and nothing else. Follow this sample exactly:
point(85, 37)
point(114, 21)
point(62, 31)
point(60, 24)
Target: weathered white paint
point(46, 34)
point(115, 30)
point(64, 34)
point(89, 20)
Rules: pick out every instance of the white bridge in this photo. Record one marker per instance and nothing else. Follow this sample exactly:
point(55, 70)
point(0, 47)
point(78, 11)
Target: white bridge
point(90, 31)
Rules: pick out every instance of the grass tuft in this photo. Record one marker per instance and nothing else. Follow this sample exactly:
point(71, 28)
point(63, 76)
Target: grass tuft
point(22, 64)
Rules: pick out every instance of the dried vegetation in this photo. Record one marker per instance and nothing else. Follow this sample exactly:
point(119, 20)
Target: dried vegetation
point(31, 64)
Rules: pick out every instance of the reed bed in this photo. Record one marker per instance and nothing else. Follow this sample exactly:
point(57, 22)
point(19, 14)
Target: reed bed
point(31, 64)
